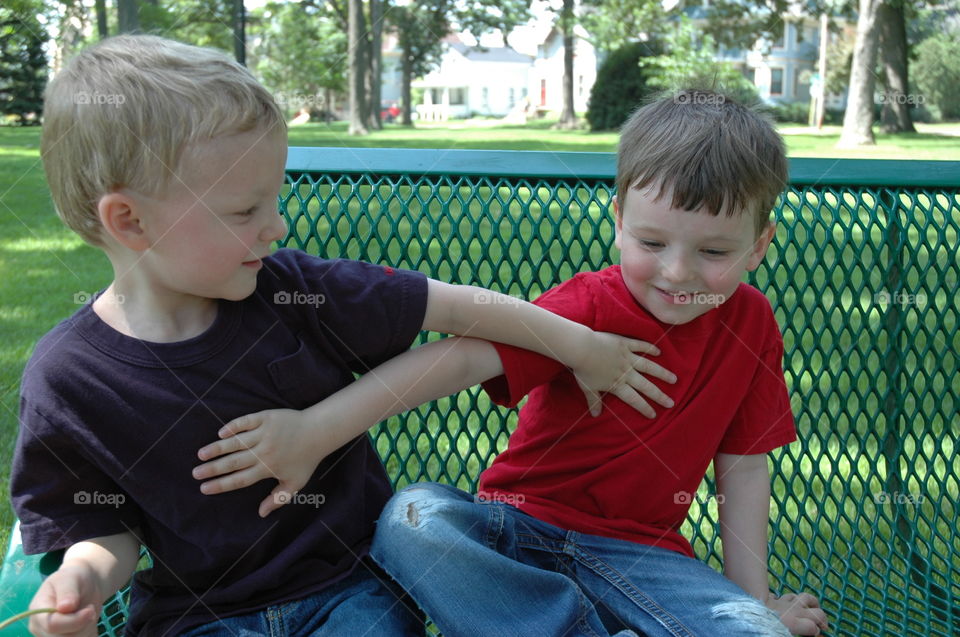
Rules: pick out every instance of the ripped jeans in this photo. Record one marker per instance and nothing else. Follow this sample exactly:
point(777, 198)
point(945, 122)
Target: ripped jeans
point(482, 568)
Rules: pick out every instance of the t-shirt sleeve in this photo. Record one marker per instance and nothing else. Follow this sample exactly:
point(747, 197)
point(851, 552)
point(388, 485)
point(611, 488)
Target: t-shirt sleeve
point(368, 313)
point(765, 420)
point(60, 496)
point(522, 369)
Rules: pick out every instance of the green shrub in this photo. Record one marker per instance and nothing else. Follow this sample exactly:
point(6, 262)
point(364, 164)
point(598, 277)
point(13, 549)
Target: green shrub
point(620, 87)
point(937, 74)
point(791, 112)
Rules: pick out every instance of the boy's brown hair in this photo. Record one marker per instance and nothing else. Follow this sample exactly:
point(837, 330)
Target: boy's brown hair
point(121, 113)
point(708, 151)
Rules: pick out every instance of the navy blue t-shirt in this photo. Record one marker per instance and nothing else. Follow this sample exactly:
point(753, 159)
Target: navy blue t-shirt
point(110, 427)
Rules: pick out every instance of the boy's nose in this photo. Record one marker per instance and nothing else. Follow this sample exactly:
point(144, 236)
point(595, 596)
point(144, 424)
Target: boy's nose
point(676, 269)
point(276, 229)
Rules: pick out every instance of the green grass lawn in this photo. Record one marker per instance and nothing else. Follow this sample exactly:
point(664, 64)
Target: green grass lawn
point(830, 319)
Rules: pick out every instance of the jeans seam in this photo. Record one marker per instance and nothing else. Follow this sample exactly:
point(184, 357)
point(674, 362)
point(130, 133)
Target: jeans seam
point(638, 597)
point(494, 527)
point(275, 622)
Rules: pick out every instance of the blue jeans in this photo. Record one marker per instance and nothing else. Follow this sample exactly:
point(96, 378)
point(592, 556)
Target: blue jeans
point(366, 603)
point(481, 568)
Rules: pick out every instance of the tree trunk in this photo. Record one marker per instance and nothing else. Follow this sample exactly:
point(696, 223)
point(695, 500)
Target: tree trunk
point(895, 116)
point(100, 8)
point(239, 18)
point(355, 61)
point(128, 16)
point(858, 118)
point(568, 116)
point(374, 66)
point(406, 95)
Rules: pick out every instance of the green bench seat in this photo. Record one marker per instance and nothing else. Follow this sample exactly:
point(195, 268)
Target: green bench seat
point(863, 276)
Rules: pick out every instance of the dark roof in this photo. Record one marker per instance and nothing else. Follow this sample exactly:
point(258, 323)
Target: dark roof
point(490, 54)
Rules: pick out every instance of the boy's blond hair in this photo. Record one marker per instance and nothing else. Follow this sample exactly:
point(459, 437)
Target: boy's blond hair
point(708, 151)
point(121, 112)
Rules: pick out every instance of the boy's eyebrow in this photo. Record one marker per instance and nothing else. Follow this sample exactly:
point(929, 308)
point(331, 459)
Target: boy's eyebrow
point(656, 230)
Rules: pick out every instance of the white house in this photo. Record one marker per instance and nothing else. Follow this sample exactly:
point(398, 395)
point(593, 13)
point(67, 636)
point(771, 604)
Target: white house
point(474, 81)
point(546, 77)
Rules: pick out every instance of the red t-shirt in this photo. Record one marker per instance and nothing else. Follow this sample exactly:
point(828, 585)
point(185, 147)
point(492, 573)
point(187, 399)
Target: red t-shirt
point(622, 475)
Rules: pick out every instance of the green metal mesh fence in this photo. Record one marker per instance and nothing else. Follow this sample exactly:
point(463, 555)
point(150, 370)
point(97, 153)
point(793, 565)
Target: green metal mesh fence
point(863, 280)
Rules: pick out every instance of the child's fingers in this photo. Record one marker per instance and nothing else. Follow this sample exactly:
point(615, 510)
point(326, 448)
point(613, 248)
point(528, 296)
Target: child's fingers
point(235, 480)
point(630, 396)
point(279, 497)
point(243, 423)
point(651, 368)
point(643, 385)
point(82, 622)
point(239, 442)
point(594, 401)
point(642, 347)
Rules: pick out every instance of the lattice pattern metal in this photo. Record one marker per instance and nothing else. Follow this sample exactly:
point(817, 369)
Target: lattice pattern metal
point(864, 284)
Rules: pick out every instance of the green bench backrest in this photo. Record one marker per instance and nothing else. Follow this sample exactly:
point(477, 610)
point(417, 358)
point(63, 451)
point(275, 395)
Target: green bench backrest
point(863, 277)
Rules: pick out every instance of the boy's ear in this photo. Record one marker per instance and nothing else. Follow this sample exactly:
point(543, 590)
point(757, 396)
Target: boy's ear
point(760, 246)
point(119, 215)
point(618, 225)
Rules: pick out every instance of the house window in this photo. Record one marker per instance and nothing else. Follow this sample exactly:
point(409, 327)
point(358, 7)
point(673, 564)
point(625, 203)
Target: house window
point(458, 97)
point(780, 39)
point(543, 92)
point(580, 85)
point(436, 95)
point(511, 98)
point(776, 81)
point(485, 97)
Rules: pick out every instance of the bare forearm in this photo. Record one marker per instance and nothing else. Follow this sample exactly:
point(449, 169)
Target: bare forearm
point(418, 376)
point(744, 482)
point(471, 311)
point(111, 559)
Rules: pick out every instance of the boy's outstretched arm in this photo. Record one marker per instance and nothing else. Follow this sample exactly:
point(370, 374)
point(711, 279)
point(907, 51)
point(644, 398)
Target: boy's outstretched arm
point(288, 445)
point(598, 364)
point(91, 571)
point(743, 495)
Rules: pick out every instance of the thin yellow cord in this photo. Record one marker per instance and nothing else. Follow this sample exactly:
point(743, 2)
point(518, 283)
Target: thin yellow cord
point(24, 615)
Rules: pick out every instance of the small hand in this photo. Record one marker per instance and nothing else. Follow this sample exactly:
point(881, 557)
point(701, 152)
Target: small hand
point(613, 366)
point(269, 444)
point(73, 592)
point(801, 614)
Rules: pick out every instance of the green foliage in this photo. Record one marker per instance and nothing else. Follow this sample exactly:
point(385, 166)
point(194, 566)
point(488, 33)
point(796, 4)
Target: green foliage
point(421, 25)
point(937, 75)
point(620, 87)
point(23, 63)
point(299, 54)
point(615, 24)
point(790, 112)
point(839, 63)
point(200, 22)
point(690, 62)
